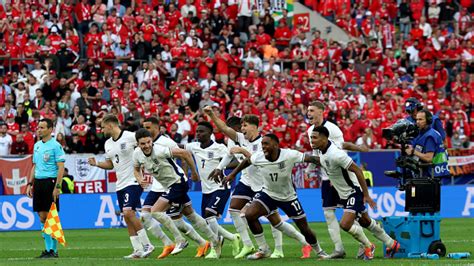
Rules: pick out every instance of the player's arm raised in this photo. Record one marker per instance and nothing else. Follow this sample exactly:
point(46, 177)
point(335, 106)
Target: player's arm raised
point(229, 132)
point(244, 164)
point(360, 177)
point(107, 164)
point(349, 146)
point(188, 159)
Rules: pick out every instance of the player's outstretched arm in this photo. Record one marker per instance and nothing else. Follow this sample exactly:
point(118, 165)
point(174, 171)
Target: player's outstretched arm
point(244, 164)
point(360, 177)
point(349, 146)
point(229, 132)
point(240, 150)
point(312, 159)
point(188, 159)
point(107, 164)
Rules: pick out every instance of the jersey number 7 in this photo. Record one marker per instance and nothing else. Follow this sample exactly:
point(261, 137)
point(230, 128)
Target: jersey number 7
point(274, 177)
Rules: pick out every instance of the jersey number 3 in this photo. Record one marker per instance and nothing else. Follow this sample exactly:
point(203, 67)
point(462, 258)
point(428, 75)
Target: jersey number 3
point(274, 177)
point(117, 159)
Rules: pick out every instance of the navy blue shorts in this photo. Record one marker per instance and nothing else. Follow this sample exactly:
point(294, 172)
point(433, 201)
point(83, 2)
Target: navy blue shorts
point(242, 191)
point(178, 193)
point(329, 195)
point(215, 202)
point(129, 198)
point(354, 203)
point(153, 197)
point(293, 208)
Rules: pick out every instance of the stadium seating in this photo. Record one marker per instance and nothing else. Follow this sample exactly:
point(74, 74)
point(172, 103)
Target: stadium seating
point(75, 62)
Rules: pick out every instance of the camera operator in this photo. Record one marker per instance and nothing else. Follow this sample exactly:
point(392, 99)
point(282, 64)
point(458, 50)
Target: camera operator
point(413, 106)
point(428, 146)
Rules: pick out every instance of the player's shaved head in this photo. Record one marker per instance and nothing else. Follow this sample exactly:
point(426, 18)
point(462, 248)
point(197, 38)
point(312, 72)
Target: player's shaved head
point(273, 137)
point(206, 125)
point(233, 121)
point(322, 130)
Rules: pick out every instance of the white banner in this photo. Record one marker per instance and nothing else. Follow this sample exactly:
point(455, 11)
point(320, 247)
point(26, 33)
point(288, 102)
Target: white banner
point(81, 170)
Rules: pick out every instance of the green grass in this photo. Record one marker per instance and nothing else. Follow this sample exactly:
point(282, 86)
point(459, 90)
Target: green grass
point(107, 246)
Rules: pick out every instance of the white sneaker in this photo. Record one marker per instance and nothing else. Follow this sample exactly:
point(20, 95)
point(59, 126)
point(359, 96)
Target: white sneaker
point(337, 254)
point(260, 254)
point(322, 255)
point(147, 250)
point(135, 255)
point(179, 247)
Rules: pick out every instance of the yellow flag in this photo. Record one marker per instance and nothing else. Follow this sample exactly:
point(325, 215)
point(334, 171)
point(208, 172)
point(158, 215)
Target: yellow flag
point(53, 227)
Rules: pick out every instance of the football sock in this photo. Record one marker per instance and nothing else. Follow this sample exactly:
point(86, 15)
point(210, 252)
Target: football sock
point(358, 233)
point(291, 231)
point(278, 238)
point(142, 236)
point(166, 221)
point(241, 227)
point(188, 230)
point(333, 229)
point(379, 233)
point(137, 246)
point(154, 227)
point(199, 222)
point(261, 242)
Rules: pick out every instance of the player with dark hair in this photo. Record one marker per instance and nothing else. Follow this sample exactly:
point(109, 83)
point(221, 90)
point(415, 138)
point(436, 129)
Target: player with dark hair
point(348, 180)
point(208, 154)
point(44, 184)
point(330, 198)
point(152, 124)
point(275, 166)
point(157, 160)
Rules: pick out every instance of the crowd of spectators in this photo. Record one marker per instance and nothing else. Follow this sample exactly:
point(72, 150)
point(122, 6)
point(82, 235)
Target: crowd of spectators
point(168, 59)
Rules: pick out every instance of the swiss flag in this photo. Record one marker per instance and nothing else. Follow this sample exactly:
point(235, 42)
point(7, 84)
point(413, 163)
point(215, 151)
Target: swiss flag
point(15, 172)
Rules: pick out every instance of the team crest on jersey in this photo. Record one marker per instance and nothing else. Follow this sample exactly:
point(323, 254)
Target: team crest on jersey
point(155, 161)
point(123, 146)
point(46, 157)
point(255, 147)
point(281, 165)
point(210, 155)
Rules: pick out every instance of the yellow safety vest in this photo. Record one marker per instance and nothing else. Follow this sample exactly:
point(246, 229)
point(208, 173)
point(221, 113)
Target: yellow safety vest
point(368, 175)
point(70, 184)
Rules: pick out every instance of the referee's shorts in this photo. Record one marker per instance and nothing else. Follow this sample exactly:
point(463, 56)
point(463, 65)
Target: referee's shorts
point(43, 194)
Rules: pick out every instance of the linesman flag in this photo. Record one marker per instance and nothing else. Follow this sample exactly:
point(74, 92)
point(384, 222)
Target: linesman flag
point(53, 227)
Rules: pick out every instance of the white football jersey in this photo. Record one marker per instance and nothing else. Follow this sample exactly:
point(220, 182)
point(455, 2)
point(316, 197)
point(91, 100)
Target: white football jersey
point(250, 175)
point(336, 162)
point(335, 135)
point(206, 161)
point(160, 165)
point(120, 152)
point(277, 181)
point(165, 141)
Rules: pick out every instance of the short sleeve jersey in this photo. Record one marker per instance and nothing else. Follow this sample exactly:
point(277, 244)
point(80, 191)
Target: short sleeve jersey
point(335, 135)
point(46, 155)
point(250, 175)
point(336, 163)
point(120, 152)
point(160, 165)
point(207, 160)
point(277, 181)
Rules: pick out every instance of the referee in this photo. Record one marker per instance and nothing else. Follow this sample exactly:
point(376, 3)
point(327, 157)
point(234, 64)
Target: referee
point(45, 179)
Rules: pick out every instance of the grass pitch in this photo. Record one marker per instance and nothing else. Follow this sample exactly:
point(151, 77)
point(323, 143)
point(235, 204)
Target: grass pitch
point(108, 246)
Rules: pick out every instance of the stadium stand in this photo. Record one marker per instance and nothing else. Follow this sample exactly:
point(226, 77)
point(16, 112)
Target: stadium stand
point(75, 62)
